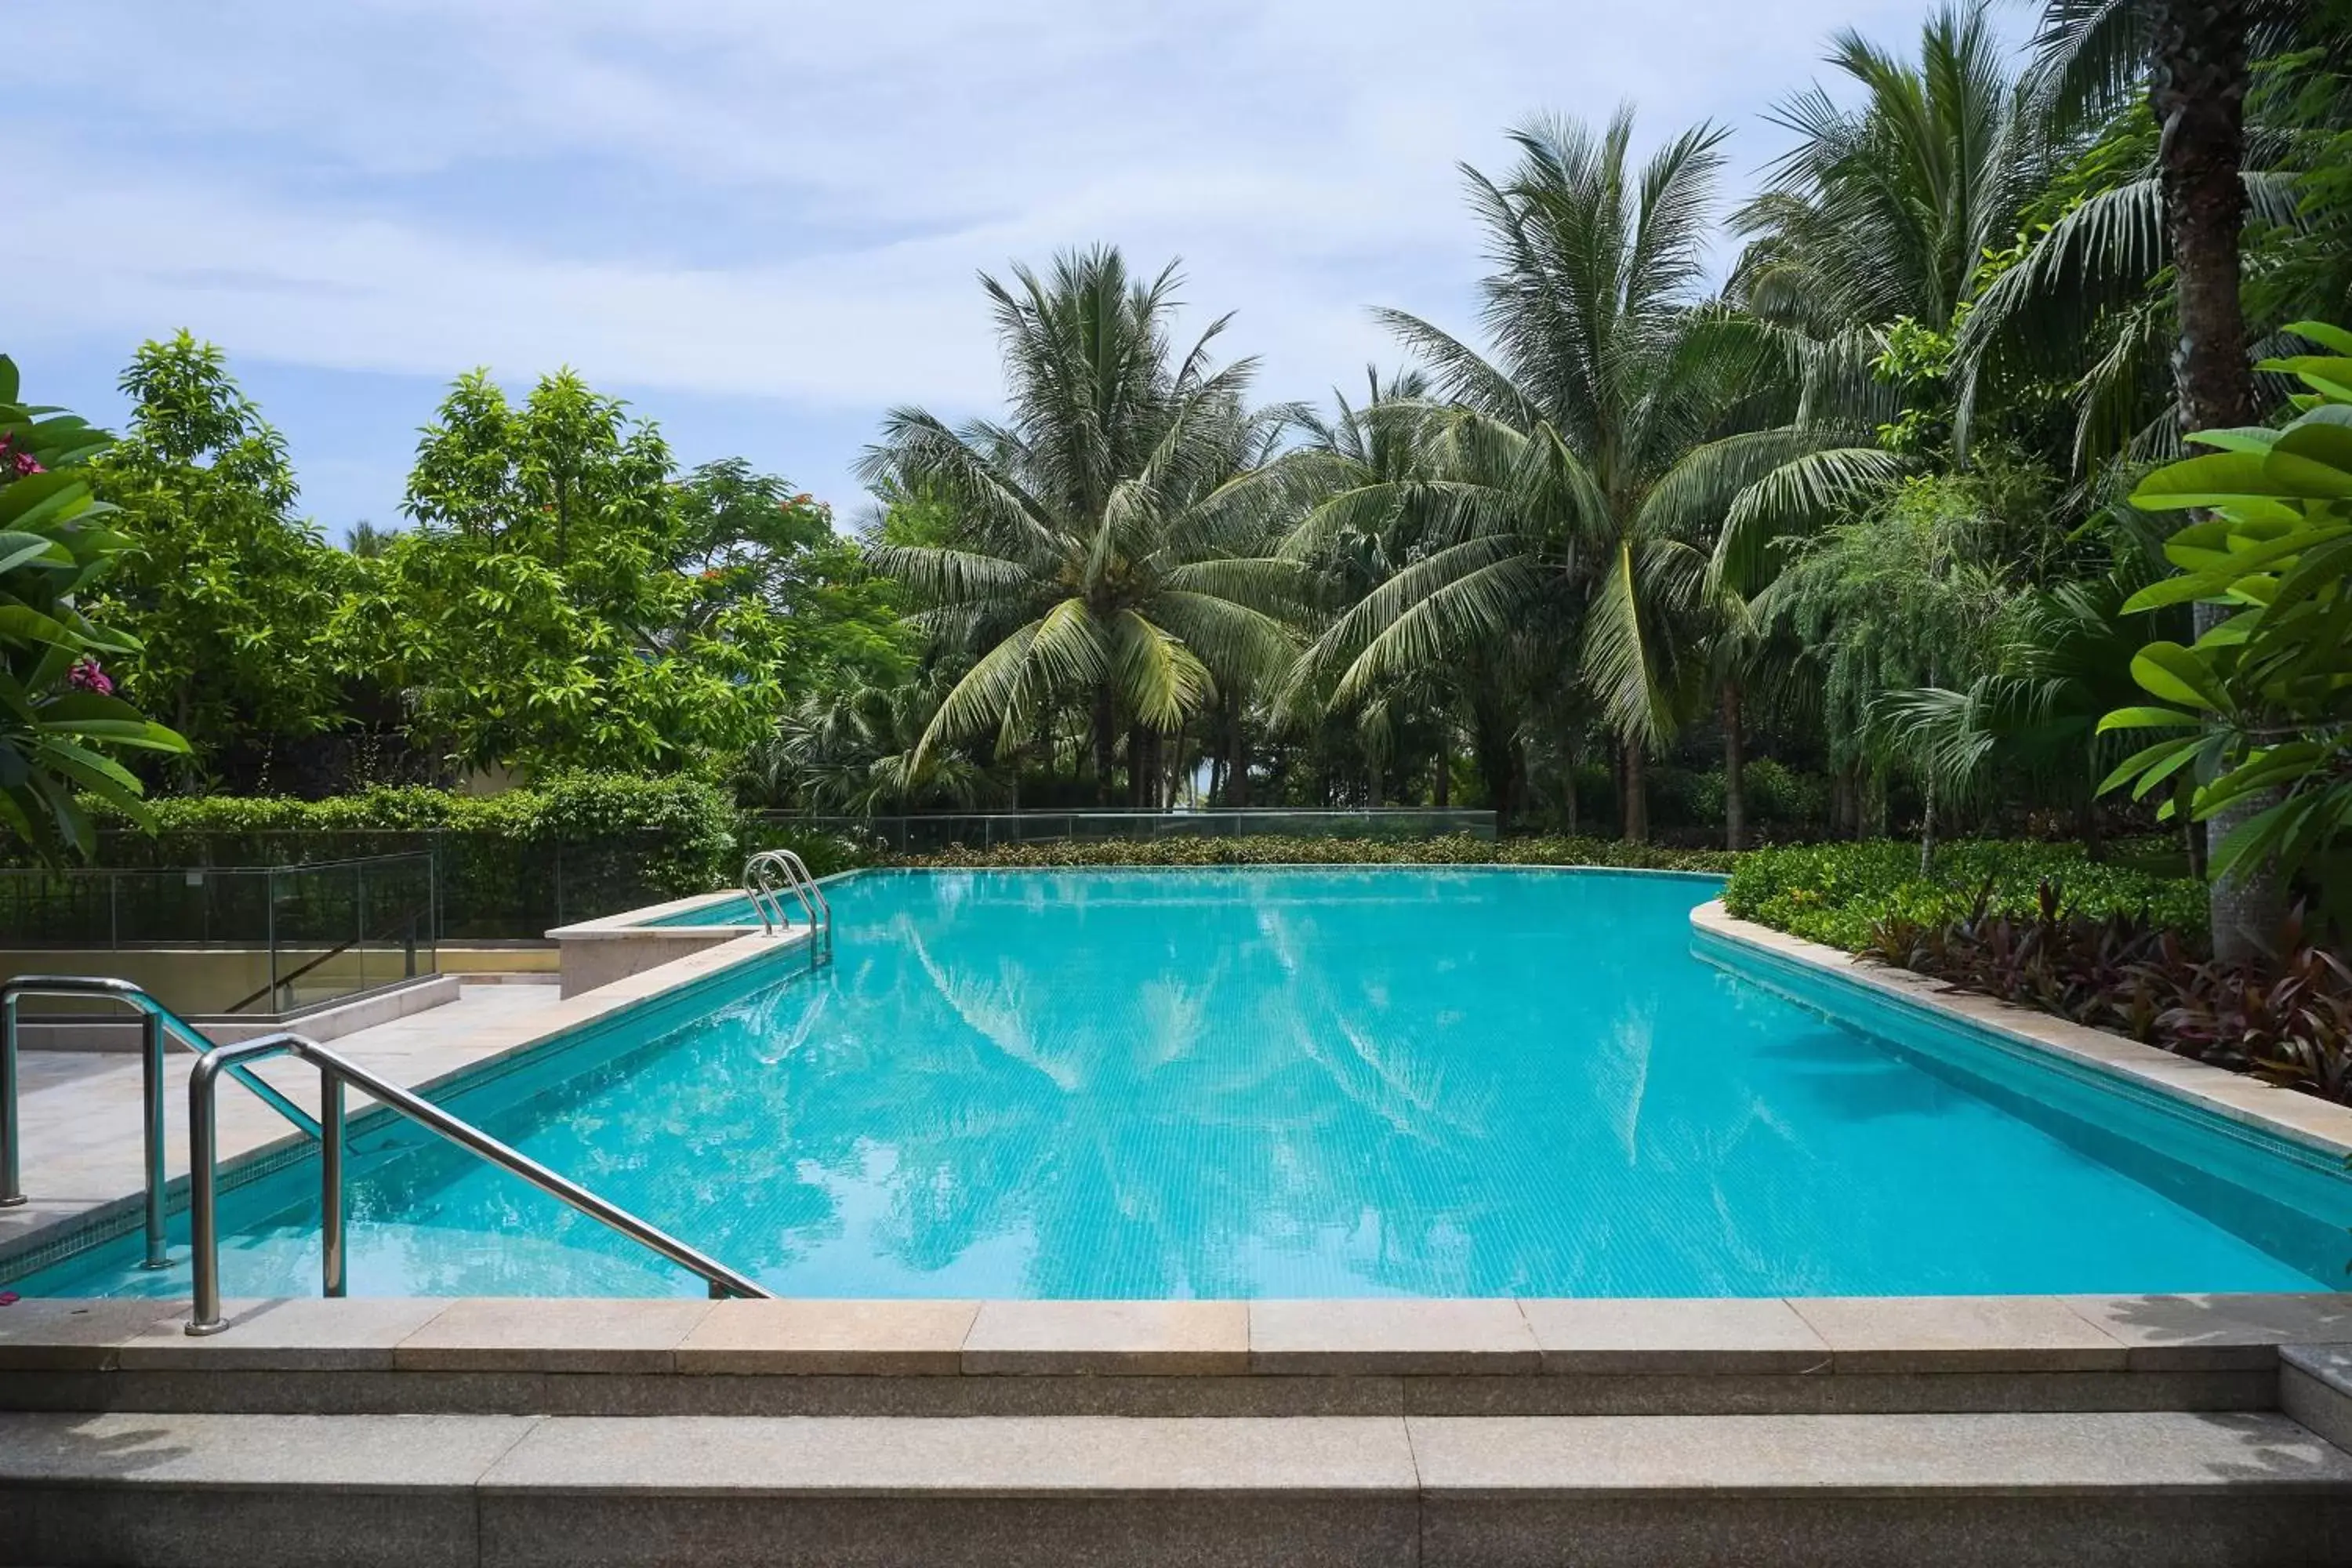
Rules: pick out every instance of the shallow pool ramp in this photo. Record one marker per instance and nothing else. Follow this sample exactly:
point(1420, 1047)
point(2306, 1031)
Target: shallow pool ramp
point(1953, 1433)
point(771, 875)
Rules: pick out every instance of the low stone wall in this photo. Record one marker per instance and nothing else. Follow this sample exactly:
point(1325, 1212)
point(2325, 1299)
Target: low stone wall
point(596, 952)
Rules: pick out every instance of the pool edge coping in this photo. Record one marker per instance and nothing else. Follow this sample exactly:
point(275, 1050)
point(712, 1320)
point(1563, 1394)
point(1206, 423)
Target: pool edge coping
point(2285, 1113)
point(1540, 1340)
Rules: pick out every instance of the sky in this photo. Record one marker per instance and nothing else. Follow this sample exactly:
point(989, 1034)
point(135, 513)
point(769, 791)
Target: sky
point(762, 223)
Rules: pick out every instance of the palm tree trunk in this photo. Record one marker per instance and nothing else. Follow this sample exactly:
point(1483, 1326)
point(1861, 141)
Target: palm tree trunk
point(1139, 766)
point(1735, 768)
point(2198, 91)
point(1237, 765)
point(1928, 829)
point(1441, 791)
point(1106, 733)
point(1637, 795)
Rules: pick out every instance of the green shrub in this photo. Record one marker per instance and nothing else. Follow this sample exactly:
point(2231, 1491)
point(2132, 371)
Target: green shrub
point(1457, 850)
point(823, 853)
point(571, 847)
point(1836, 893)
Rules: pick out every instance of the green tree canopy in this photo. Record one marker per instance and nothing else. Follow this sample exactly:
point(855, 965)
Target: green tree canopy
point(227, 595)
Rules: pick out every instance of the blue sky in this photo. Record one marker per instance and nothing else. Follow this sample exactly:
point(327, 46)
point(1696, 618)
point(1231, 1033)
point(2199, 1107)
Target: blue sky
point(762, 222)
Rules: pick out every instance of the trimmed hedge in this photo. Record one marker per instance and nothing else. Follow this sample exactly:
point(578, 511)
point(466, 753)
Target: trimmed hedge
point(1837, 893)
point(1454, 849)
point(570, 848)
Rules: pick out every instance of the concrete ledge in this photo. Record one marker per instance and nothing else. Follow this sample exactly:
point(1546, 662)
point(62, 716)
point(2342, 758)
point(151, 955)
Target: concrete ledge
point(2148, 1489)
point(116, 1031)
point(594, 954)
point(1468, 1356)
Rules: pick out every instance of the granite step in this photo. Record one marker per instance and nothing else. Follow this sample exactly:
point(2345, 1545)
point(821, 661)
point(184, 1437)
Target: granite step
point(1166, 1359)
point(2146, 1489)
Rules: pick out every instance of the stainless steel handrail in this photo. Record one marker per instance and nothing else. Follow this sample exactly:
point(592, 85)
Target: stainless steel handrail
point(334, 1072)
point(759, 887)
point(158, 1025)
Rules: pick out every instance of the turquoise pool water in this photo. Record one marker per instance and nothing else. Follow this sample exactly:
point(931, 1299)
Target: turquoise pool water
point(1456, 1082)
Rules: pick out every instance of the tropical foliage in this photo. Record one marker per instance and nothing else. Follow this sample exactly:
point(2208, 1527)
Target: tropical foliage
point(1822, 509)
point(2259, 708)
point(59, 718)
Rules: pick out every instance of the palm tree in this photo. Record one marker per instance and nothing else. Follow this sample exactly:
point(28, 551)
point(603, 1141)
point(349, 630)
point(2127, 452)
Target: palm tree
point(1883, 211)
point(1571, 487)
point(1093, 560)
point(2193, 58)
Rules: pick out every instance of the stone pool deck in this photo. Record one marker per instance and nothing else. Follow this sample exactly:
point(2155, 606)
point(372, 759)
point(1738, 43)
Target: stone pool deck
point(2138, 1433)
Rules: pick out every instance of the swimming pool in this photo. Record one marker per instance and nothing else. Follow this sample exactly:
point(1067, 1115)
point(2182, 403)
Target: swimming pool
point(1262, 1083)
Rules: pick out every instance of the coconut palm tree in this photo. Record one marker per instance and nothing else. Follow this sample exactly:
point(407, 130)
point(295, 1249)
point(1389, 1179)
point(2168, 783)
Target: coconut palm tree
point(2194, 61)
point(1092, 561)
point(1571, 487)
point(1884, 209)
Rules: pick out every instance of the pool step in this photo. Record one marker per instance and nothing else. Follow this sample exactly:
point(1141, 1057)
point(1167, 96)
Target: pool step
point(2145, 1489)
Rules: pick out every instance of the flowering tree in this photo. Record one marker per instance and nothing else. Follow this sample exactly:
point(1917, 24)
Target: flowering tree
point(59, 718)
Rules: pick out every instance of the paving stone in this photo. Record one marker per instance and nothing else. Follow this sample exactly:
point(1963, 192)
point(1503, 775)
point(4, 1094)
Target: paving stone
point(2203, 1332)
point(852, 1456)
point(366, 1453)
point(896, 1339)
point(2315, 1387)
point(1626, 1335)
point(1126, 1531)
point(1957, 1333)
point(1839, 1530)
point(522, 1334)
point(1384, 1336)
point(297, 1335)
point(56, 1334)
point(2144, 1450)
point(1160, 1338)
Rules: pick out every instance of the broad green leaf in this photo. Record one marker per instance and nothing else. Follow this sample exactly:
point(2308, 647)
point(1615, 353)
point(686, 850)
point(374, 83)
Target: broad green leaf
point(2244, 438)
point(2177, 675)
point(2139, 762)
point(2325, 334)
point(2202, 481)
point(2148, 718)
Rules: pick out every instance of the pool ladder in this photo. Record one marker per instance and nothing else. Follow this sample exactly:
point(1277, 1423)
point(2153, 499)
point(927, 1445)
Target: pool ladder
point(159, 1023)
point(772, 873)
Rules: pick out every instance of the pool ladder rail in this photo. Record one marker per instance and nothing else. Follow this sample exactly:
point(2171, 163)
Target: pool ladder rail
point(335, 1073)
point(159, 1029)
point(772, 873)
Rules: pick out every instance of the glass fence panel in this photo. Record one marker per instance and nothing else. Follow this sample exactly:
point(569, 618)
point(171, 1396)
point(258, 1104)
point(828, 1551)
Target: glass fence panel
point(213, 940)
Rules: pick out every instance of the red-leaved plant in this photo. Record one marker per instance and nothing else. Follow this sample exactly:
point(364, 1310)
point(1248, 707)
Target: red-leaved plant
point(2287, 1018)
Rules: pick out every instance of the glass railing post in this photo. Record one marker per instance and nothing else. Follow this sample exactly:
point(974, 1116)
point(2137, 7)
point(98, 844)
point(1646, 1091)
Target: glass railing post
point(331, 1181)
point(269, 928)
point(151, 1043)
point(12, 1184)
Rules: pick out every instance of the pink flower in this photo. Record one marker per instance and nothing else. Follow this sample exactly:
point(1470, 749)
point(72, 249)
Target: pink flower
point(26, 466)
point(86, 676)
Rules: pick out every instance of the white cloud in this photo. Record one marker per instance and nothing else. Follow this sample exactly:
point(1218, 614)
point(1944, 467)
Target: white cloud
point(736, 198)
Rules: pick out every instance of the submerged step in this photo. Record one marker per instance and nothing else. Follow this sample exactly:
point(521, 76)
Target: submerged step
point(2145, 1489)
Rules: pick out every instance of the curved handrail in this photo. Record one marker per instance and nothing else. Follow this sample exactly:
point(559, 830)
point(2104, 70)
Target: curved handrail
point(137, 996)
point(158, 1025)
point(334, 1072)
point(759, 887)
